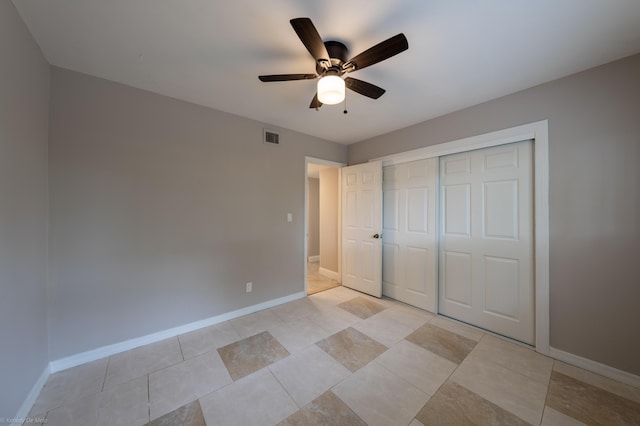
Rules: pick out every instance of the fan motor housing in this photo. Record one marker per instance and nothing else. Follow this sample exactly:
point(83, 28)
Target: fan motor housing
point(337, 54)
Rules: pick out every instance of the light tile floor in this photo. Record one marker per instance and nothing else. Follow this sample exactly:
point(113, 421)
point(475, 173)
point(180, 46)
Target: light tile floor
point(338, 358)
point(317, 282)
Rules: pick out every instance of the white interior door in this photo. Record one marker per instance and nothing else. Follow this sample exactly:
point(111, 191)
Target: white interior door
point(486, 239)
point(362, 227)
point(409, 269)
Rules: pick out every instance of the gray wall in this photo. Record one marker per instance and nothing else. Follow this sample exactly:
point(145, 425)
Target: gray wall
point(313, 219)
point(594, 138)
point(24, 111)
point(162, 210)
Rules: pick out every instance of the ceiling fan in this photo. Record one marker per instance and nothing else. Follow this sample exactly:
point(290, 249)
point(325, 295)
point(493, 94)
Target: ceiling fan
point(332, 64)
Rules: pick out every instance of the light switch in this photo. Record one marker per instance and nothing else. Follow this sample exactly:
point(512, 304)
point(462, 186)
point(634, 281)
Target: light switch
point(289, 217)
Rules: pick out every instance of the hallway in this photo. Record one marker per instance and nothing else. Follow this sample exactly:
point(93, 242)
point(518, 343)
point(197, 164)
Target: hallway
point(316, 282)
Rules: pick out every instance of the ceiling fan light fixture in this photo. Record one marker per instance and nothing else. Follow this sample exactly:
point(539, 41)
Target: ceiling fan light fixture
point(331, 64)
point(331, 89)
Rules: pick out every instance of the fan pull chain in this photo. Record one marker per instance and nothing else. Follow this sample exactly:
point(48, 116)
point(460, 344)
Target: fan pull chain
point(345, 104)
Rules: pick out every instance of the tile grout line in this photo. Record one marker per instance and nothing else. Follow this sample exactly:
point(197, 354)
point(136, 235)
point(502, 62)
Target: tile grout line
point(106, 370)
point(180, 346)
point(546, 397)
point(508, 369)
point(450, 374)
point(268, 367)
point(410, 384)
point(443, 382)
point(513, 370)
point(148, 398)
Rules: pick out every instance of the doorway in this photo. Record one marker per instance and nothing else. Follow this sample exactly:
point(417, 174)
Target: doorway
point(322, 229)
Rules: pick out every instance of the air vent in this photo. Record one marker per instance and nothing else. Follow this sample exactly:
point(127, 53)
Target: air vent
point(271, 137)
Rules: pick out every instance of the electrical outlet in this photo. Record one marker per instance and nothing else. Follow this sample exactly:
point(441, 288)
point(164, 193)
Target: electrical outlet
point(289, 217)
point(249, 287)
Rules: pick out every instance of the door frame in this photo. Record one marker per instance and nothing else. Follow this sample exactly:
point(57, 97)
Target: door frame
point(539, 133)
point(313, 160)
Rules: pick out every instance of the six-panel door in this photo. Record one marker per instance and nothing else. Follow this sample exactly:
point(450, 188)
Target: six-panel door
point(409, 269)
point(486, 239)
point(362, 227)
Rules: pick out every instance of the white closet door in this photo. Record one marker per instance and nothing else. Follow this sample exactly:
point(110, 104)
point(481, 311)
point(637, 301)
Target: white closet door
point(361, 227)
point(409, 248)
point(486, 239)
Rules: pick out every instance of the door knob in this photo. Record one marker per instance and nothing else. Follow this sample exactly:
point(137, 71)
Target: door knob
point(376, 236)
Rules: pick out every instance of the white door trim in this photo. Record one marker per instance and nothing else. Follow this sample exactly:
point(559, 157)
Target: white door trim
point(313, 160)
point(539, 132)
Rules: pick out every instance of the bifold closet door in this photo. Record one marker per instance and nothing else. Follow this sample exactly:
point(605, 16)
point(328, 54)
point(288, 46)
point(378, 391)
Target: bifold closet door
point(409, 232)
point(486, 239)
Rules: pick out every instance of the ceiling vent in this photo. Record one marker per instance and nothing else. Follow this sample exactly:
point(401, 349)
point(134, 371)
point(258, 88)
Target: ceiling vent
point(271, 137)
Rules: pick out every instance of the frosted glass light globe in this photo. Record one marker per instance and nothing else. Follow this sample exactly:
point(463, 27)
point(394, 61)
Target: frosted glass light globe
point(331, 90)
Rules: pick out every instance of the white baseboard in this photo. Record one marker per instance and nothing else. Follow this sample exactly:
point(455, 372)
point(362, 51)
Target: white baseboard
point(28, 402)
point(332, 275)
point(596, 367)
point(315, 258)
point(95, 354)
point(105, 351)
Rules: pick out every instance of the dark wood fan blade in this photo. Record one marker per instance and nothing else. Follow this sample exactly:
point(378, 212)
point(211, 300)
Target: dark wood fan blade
point(315, 103)
point(378, 53)
point(364, 88)
point(286, 77)
point(310, 38)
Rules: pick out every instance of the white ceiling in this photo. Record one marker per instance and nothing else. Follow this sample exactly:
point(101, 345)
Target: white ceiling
point(210, 52)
